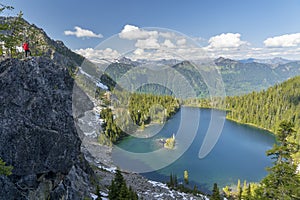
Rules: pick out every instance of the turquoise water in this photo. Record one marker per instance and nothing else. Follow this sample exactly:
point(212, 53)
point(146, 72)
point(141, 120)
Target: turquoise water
point(238, 154)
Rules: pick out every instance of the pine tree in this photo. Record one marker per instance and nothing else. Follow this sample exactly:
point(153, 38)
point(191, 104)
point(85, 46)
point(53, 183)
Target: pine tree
point(171, 180)
point(98, 193)
point(14, 36)
point(248, 193)
point(132, 194)
point(282, 182)
point(195, 190)
point(124, 193)
point(216, 193)
point(118, 189)
point(239, 189)
point(244, 191)
point(113, 191)
point(227, 191)
point(175, 181)
point(11, 31)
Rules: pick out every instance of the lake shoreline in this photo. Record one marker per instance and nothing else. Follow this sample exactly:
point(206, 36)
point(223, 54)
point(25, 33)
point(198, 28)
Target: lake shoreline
point(170, 119)
point(231, 119)
point(230, 138)
point(251, 125)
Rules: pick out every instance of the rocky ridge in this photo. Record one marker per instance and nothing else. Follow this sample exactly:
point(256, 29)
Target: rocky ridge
point(38, 136)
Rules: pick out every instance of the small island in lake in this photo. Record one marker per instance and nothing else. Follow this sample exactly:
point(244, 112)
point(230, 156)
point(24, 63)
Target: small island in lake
point(170, 142)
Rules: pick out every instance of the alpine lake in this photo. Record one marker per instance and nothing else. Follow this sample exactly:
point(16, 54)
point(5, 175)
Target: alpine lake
point(230, 151)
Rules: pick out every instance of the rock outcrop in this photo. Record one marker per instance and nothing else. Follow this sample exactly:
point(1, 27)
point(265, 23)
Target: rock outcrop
point(38, 136)
point(41, 44)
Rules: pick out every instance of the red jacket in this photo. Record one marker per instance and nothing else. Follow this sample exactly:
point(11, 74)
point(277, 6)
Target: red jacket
point(25, 46)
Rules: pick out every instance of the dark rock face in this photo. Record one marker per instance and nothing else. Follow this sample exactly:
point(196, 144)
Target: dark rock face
point(81, 102)
point(37, 131)
point(8, 189)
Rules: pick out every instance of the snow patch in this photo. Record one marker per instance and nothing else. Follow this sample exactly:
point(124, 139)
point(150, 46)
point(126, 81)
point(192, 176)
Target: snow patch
point(84, 73)
point(94, 196)
point(158, 184)
point(104, 196)
point(102, 86)
point(109, 169)
point(98, 83)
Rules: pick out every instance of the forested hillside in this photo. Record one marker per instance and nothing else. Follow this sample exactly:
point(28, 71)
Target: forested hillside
point(132, 111)
point(265, 109)
point(268, 108)
point(145, 108)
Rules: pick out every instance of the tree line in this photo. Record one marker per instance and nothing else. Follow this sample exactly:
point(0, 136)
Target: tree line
point(10, 32)
point(147, 108)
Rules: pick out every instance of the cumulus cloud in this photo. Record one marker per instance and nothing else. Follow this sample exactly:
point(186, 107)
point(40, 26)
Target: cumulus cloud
point(168, 35)
point(80, 32)
point(226, 40)
point(165, 44)
point(149, 43)
point(95, 55)
point(168, 44)
point(131, 32)
point(181, 42)
point(288, 40)
point(139, 52)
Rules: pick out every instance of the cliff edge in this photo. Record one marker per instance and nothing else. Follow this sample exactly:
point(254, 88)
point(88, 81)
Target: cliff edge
point(38, 136)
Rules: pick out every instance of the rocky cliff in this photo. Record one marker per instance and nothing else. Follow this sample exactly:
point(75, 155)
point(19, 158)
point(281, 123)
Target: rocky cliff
point(37, 132)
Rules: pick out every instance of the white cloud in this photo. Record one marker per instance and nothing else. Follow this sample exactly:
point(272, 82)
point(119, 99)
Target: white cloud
point(288, 40)
point(157, 44)
point(168, 44)
point(244, 52)
point(181, 42)
point(131, 32)
point(95, 55)
point(226, 40)
point(149, 43)
point(79, 32)
point(201, 41)
point(139, 52)
point(168, 35)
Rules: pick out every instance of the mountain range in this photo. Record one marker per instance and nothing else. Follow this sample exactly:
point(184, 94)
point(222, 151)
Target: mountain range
point(239, 77)
point(274, 61)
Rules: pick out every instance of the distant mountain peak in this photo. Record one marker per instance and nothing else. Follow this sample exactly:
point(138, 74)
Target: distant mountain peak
point(222, 61)
point(273, 61)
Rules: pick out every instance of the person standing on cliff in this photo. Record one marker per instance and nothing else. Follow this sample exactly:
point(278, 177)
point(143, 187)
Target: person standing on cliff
point(26, 49)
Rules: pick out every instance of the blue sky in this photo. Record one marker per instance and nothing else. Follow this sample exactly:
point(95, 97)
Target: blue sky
point(246, 24)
